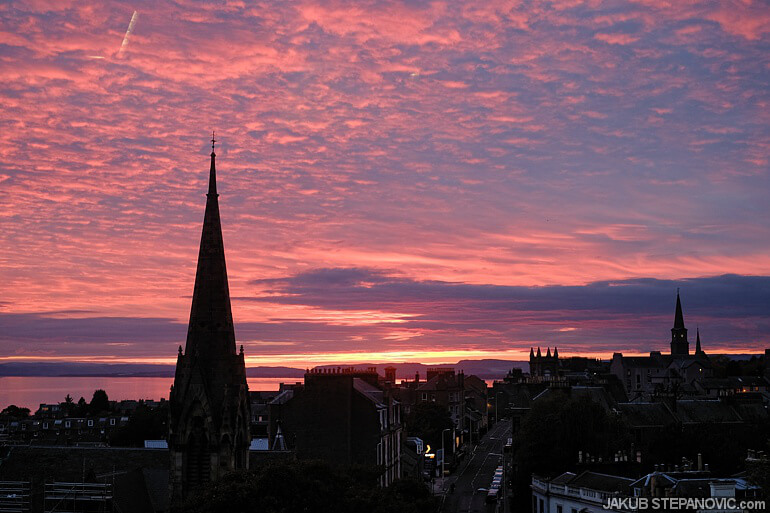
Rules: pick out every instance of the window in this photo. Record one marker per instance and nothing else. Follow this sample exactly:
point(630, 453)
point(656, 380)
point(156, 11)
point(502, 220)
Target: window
point(67, 423)
point(424, 396)
point(542, 506)
point(558, 508)
point(90, 422)
point(112, 422)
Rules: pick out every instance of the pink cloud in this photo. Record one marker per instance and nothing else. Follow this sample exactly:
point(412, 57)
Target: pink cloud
point(494, 143)
point(616, 39)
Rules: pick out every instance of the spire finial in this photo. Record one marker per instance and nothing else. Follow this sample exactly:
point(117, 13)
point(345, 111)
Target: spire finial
point(212, 170)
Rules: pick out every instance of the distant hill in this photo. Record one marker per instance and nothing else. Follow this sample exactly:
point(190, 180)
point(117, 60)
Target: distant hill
point(485, 369)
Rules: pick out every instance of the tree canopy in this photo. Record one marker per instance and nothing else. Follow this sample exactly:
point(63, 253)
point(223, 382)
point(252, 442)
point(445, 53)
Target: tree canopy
point(427, 421)
point(99, 402)
point(313, 486)
point(16, 412)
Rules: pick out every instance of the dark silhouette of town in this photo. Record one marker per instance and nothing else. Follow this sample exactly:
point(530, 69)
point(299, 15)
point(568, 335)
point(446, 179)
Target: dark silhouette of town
point(567, 435)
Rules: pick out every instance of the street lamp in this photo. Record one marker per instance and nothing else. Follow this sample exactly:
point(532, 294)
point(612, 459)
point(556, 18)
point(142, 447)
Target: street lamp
point(443, 453)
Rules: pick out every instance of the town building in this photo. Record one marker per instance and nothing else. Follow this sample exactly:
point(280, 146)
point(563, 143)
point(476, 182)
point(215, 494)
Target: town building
point(674, 373)
point(593, 492)
point(343, 416)
point(465, 397)
point(544, 366)
point(587, 492)
point(209, 421)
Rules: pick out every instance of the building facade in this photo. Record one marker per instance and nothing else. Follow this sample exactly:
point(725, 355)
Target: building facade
point(342, 416)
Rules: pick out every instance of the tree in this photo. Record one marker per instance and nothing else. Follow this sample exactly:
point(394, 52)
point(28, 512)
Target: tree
point(144, 424)
point(99, 402)
point(68, 405)
point(16, 412)
point(427, 421)
point(286, 486)
point(82, 408)
point(556, 429)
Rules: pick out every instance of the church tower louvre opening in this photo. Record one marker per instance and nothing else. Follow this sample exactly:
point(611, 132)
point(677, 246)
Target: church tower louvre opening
point(209, 417)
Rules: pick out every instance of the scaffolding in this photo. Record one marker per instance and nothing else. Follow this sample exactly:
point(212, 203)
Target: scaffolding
point(78, 498)
point(15, 496)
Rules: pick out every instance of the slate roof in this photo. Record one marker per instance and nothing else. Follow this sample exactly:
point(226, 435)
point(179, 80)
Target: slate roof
point(601, 482)
point(697, 412)
point(440, 382)
point(563, 479)
point(598, 395)
point(751, 412)
point(369, 391)
point(646, 414)
point(283, 397)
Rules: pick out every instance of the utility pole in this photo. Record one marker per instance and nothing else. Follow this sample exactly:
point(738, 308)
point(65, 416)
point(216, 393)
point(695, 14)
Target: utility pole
point(443, 453)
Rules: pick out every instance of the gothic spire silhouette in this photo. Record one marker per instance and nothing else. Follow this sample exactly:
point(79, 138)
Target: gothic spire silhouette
point(678, 317)
point(210, 332)
point(209, 409)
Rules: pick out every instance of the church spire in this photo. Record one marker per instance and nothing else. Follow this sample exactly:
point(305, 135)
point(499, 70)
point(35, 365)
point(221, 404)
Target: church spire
point(698, 349)
point(209, 408)
point(678, 317)
point(679, 343)
point(210, 332)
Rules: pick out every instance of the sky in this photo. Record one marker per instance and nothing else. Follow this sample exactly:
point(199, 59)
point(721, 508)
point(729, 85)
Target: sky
point(399, 180)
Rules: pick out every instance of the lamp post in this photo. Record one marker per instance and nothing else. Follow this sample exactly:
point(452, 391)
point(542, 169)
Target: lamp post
point(443, 453)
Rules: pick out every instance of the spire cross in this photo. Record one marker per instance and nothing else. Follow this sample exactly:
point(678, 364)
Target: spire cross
point(213, 140)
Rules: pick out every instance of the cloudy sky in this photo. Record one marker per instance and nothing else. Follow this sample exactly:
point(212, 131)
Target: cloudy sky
point(399, 180)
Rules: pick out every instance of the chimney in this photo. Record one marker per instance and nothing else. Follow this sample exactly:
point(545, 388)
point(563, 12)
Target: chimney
point(700, 461)
point(416, 377)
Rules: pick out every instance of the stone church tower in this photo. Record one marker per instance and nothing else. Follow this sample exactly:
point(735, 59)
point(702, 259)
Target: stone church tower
point(210, 413)
point(679, 343)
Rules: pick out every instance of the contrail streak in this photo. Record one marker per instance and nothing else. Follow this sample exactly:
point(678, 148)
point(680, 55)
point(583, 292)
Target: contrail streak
point(131, 24)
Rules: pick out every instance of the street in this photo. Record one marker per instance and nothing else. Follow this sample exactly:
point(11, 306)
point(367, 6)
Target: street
point(477, 472)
